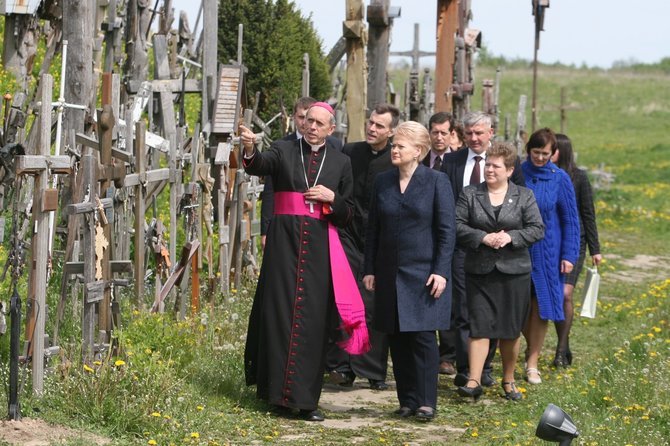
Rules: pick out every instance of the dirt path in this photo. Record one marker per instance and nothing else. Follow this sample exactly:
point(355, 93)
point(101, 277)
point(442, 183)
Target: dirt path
point(35, 432)
point(371, 408)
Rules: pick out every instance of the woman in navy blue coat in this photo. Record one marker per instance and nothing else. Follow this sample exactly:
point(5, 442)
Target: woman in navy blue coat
point(557, 253)
point(409, 244)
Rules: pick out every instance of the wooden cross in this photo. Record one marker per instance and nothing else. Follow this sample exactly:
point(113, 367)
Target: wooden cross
point(169, 126)
point(93, 241)
point(140, 180)
point(40, 166)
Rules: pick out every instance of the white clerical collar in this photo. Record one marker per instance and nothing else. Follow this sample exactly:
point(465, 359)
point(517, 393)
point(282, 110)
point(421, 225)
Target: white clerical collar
point(314, 147)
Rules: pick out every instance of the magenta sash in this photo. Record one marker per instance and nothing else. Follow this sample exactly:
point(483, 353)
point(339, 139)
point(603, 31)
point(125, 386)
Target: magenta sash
point(347, 296)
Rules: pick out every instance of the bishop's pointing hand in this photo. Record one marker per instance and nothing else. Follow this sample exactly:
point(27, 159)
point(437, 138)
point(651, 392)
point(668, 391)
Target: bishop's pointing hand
point(248, 139)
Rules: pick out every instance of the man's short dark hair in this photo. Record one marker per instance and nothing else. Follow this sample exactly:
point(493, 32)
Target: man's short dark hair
point(441, 118)
point(303, 103)
point(380, 109)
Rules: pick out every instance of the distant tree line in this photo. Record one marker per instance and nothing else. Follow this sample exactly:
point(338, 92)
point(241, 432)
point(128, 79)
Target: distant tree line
point(488, 59)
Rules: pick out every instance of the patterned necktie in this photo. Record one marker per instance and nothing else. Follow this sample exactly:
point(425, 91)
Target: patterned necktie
point(437, 164)
point(475, 178)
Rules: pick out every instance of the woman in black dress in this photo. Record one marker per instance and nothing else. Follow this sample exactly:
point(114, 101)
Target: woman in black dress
point(565, 159)
point(496, 222)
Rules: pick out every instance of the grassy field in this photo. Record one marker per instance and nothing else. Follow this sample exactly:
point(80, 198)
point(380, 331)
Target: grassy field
point(182, 382)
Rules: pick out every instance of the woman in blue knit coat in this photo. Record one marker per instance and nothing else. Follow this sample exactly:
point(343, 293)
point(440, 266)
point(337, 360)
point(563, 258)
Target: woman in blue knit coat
point(558, 252)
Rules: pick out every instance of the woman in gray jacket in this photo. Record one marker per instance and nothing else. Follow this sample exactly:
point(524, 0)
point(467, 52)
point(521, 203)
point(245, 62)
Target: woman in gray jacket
point(496, 222)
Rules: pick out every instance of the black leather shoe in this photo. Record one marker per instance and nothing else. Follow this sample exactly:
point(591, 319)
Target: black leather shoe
point(311, 415)
point(424, 414)
point(343, 379)
point(403, 412)
point(378, 384)
point(487, 380)
point(460, 379)
point(471, 392)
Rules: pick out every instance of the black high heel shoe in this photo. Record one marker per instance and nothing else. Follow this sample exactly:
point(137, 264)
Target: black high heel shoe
point(471, 392)
point(513, 394)
point(561, 359)
point(568, 356)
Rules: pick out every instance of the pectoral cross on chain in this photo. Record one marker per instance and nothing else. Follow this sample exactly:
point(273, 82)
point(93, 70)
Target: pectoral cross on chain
point(311, 204)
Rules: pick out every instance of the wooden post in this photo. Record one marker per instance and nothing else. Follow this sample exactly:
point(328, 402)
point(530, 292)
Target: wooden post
point(305, 75)
point(40, 239)
point(20, 45)
point(539, 7)
point(209, 58)
point(447, 22)
point(563, 110)
point(77, 30)
point(378, 51)
point(357, 87)
point(90, 181)
point(137, 22)
point(140, 211)
point(521, 136)
point(106, 123)
point(169, 126)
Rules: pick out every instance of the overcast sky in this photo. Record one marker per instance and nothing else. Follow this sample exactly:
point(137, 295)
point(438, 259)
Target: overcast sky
point(595, 32)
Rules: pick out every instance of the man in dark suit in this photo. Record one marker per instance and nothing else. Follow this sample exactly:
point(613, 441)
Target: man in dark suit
point(368, 158)
point(466, 167)
point(441, 128)
point(300, 121)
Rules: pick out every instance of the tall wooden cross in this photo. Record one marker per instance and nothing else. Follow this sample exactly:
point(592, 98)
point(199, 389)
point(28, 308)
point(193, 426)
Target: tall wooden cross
point(40, 165)
point(94, 246)
point(140, 180)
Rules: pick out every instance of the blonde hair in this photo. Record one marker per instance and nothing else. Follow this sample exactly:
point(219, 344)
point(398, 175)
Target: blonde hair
point(417, 134)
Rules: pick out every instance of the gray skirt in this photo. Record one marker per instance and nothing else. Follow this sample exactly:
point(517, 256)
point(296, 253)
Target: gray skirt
point(498, 304)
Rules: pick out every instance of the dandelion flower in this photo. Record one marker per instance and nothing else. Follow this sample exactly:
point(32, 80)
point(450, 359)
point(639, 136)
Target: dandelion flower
point(88, 369)
point(152, 441)
point(195, 435)
point(200, 407)
point(155, 414)
point(475, 434)
point(120, 363)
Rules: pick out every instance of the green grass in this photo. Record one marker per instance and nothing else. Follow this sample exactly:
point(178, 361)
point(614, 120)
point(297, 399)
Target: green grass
point(182, 382)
